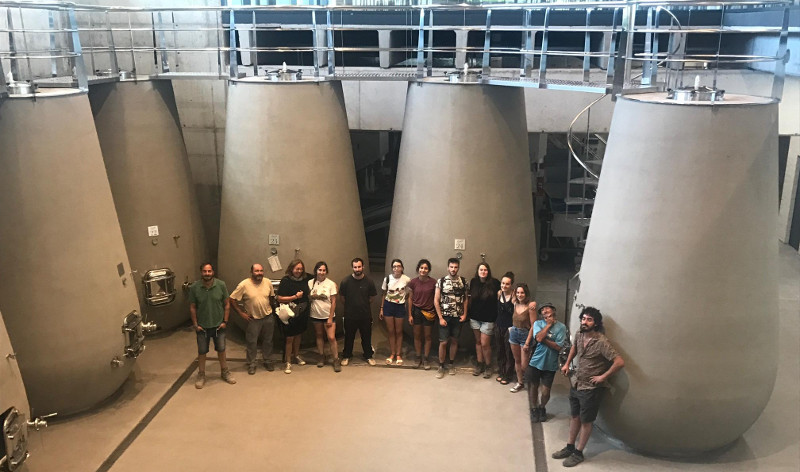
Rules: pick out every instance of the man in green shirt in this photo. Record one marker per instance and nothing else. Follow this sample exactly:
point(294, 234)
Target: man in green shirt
point(209, 307)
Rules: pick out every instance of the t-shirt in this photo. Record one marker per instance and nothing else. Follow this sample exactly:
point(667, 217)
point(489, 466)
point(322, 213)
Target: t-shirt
point(423, 292)
point(453, 292)
point(289, 287)
point(356, 293)
point(396, 288)
point(592, 360)
point(483, 300)
point(209, 302)
point(255, 297)
point(544, 357)
point(321, 308)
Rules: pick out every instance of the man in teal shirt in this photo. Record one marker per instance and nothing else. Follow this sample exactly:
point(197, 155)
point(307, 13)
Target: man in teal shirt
point(549, 335)
point(209, 307)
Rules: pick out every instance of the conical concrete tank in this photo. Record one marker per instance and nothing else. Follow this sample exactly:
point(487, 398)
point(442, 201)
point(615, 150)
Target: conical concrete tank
point(681, 260)
point(289, 174)
point(464, 174)
point(148, 169)
point(66, 291)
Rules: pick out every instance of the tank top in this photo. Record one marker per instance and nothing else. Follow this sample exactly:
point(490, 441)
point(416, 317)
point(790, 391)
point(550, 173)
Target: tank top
point(505, 311)
point(521, 320)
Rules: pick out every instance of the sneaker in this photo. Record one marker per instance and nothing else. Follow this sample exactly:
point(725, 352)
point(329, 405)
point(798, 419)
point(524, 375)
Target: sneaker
point(226, 376)
point(535, 415)
point(487, 373)
point(337, 365)
point(476, 371)
point(371, 361)
point(516, 388)
point(288, 369)
point(201, 380)
point(426, 365)
point(251, 369)
point(269, 366)
point(451, 370)
point(542, 414)
point(419, 363)
point(573, 460)
point(321, 364)
point(345, 361)
point(440, 372)
point(299, 360)
point(564, 453)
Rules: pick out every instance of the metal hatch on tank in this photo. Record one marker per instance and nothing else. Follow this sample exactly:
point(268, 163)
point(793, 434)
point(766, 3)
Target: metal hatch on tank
point(148, 171)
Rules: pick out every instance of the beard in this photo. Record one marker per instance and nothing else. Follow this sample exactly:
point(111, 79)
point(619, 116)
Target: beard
point(586, 329)
point(207, 277)
point(258, 278)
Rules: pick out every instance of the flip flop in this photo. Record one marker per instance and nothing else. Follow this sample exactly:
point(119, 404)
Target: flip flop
point(499, 379)
point(504, 382)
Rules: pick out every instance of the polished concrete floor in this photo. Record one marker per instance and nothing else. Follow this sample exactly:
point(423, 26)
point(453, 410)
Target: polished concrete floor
point(376, 418)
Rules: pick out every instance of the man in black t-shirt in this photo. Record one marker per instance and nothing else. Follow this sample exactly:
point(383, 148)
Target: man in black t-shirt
point(355, 293)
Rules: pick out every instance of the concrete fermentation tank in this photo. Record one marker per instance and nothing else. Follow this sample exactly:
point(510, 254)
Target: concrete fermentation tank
point(681, 256)
point(148, 169)
point(14, 409)
point(464, 174)
point(66, 296)
point(289, 185)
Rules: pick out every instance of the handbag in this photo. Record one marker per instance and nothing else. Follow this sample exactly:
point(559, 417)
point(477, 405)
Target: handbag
point(285, 312)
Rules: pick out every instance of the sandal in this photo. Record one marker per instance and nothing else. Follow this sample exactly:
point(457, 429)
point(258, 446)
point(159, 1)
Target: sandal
point(504, 382)
point(399, 361)
point(499, 378)
point(389, 360)
point(516, 388)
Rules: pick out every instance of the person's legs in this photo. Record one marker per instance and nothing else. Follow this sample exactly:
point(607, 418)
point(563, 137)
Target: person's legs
point(398, 336)
point(476, 332)
point(267, 332)
point(219, 346)
point(426, 331)
point(251, 332)
point(390, 334)
point(516, 350)
point(319, 332)
point(349, 338)
point(586, 431)
point(287, 349)
point(331, 332)
point(486, 347)
point(296, 346)
point(574, 429)
point(417, 329)
point(365, 327)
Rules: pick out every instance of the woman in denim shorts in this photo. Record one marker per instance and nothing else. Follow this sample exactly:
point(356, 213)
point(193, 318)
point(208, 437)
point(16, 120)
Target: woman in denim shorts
point(482, 314)
point(394, 309)
point(521, 321)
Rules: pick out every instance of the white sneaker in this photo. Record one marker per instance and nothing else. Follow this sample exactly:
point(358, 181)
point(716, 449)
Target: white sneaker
point(371, 361)
point(288, 369)
point(345, 361)
point(299, 360)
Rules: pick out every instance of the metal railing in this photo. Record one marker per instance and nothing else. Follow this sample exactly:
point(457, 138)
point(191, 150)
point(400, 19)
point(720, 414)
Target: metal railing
point(612, 46)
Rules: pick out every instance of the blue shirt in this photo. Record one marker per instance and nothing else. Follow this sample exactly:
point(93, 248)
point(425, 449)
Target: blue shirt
point(544, 357)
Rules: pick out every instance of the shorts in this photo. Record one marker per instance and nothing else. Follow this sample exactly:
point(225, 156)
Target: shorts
point(203, 337)
point(419, 318)
point(539, 377)
point(321, 320)
point(394, 310)
point(485, 327)
point(517, 336)
point(585, 403)
point(452, 330)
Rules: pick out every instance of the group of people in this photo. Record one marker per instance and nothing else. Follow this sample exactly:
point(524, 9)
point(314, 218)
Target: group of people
point(527, 339)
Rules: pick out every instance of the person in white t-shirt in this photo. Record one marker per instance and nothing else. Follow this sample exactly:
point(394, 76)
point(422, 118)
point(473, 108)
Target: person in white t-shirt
point(323, 309)
point(394, 309)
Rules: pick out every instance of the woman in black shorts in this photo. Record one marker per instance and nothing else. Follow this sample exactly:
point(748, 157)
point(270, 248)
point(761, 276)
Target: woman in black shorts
point(294, 290)
point(421, 313)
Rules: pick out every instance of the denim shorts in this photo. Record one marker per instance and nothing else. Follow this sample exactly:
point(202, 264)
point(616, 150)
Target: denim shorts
point(419, 318)
point(203, 337)
point(517, 336)
point(394, 310)
point(485, 327)
point(452, 330)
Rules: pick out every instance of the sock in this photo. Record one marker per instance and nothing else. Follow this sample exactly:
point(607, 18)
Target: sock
point(571, 447)
point(578, 452)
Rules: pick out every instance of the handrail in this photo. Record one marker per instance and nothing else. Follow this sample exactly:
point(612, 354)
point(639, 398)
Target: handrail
point(570, 135)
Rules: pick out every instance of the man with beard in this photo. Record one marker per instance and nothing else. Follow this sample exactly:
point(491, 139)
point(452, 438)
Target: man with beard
point(597, 360)
point(450, 301)
point(255, 294)
point(355, 293)
point(209, 308)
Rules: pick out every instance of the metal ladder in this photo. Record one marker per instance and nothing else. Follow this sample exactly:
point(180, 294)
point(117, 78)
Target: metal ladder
point(586, 150)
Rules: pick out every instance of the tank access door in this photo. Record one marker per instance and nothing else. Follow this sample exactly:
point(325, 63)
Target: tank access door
point(14, 446)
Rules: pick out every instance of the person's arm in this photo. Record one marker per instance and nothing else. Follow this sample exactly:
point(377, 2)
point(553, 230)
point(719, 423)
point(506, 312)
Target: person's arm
point(529, 340)
point(193, 314)
point(437, 299)
point(226, 313)
point(332, 313)
point(409, 305)
point(542, 334)
point(290, 298)
point(616, 365)
point(572, 352)
point(245, 316)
